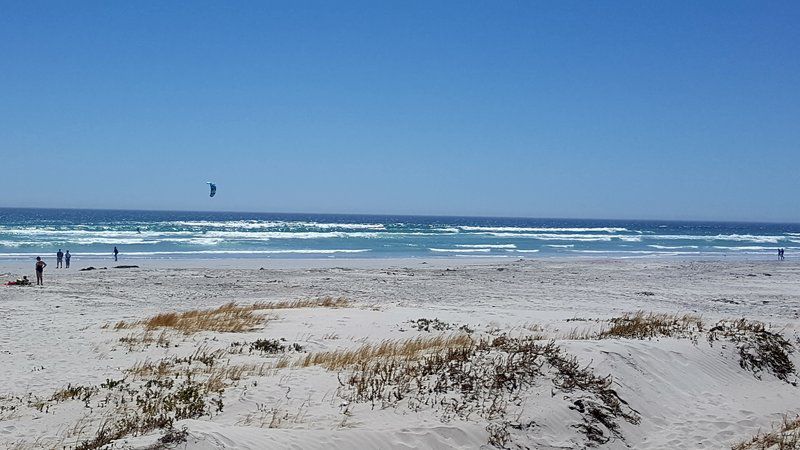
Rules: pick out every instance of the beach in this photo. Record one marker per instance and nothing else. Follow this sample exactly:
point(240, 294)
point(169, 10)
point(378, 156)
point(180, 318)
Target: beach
point(78, 354)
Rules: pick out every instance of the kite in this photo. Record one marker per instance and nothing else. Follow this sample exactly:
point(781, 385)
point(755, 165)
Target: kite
point(213, 188)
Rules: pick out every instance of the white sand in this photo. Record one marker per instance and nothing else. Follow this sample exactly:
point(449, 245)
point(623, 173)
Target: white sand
point(689, 394)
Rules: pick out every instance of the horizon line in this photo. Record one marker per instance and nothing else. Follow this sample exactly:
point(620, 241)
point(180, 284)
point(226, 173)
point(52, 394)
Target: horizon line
point(408, 215)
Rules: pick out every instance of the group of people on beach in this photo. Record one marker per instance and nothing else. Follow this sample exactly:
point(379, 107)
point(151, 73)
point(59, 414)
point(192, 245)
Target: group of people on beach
point(61, 259)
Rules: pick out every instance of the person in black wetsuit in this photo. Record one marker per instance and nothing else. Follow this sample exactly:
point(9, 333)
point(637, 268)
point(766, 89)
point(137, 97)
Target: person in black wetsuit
point(40, 265)
point(59, 259)
point(116, 252)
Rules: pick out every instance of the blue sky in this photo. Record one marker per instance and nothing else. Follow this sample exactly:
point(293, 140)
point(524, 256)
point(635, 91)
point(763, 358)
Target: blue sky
point(671, 110)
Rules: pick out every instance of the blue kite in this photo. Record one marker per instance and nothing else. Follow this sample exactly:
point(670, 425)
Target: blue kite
point(213, 188)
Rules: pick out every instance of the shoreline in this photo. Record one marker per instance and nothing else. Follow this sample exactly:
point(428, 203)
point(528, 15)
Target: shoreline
point(17, 265)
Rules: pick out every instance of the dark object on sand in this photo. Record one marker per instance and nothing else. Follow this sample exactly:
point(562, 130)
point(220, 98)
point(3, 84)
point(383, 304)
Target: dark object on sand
point(92, 268)
point(126, 267)
point(24, 281)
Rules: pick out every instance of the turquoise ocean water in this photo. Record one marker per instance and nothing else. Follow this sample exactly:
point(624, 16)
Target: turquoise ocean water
point(25, 233)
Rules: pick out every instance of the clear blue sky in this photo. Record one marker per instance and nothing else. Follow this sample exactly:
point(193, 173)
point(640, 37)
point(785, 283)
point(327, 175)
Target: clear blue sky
point(672, 109)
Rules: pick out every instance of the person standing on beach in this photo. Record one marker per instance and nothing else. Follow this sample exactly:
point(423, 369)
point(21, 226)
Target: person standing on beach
point(67, 256)
point(40, 265)
point(116, 252)
point(59, 259)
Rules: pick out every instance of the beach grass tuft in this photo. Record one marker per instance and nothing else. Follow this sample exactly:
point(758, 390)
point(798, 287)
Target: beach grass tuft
point(641, 325)
point(71, 392)
point(228, 318)
point(409, 348)
point(322, 302)
point(760, 349)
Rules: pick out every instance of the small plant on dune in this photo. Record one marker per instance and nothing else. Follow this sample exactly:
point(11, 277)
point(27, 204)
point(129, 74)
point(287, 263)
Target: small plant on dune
point(111, 384)
point(267, 346)
point(785, 436)
point(430, 325)
point(760, 350)
point(173, 436)
point(579, 334)
point(264, 347)
point(145, 339)
point(70, 392)
point(435, 324)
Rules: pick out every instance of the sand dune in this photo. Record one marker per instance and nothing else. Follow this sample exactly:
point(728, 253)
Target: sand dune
point(67, 368)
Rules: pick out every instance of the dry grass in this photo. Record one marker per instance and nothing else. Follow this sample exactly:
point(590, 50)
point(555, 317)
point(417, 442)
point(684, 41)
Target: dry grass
point(489, 378)
point(651, 325)
point(578, 334)
point(785, 437)
point(214, 373)
point(760, 349)
point(70, 392)
point(145, 339)
point(408, 349)
point(324, 302)
point(155, 394)
point(228, 318)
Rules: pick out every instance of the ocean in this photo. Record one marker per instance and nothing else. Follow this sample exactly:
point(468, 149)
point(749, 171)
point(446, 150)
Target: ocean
point(26, 233)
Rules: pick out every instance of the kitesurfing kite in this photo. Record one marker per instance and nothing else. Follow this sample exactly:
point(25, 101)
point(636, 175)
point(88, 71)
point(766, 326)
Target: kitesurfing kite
point(213, 188)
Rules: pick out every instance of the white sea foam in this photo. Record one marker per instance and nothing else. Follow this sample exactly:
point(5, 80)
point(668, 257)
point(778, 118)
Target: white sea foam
point(201, 252)
point(266, 235)
point(618, 251)
point(560, 245)
point(15, 244)
point(571, 237)
point(258, 225)
point(460, 250)
point(745, 247)
point(672, 247)
point(719, 237)
point(524, 251)
point(547, 229)
point(486, 245)
point(639, 252)
point(447, 230)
